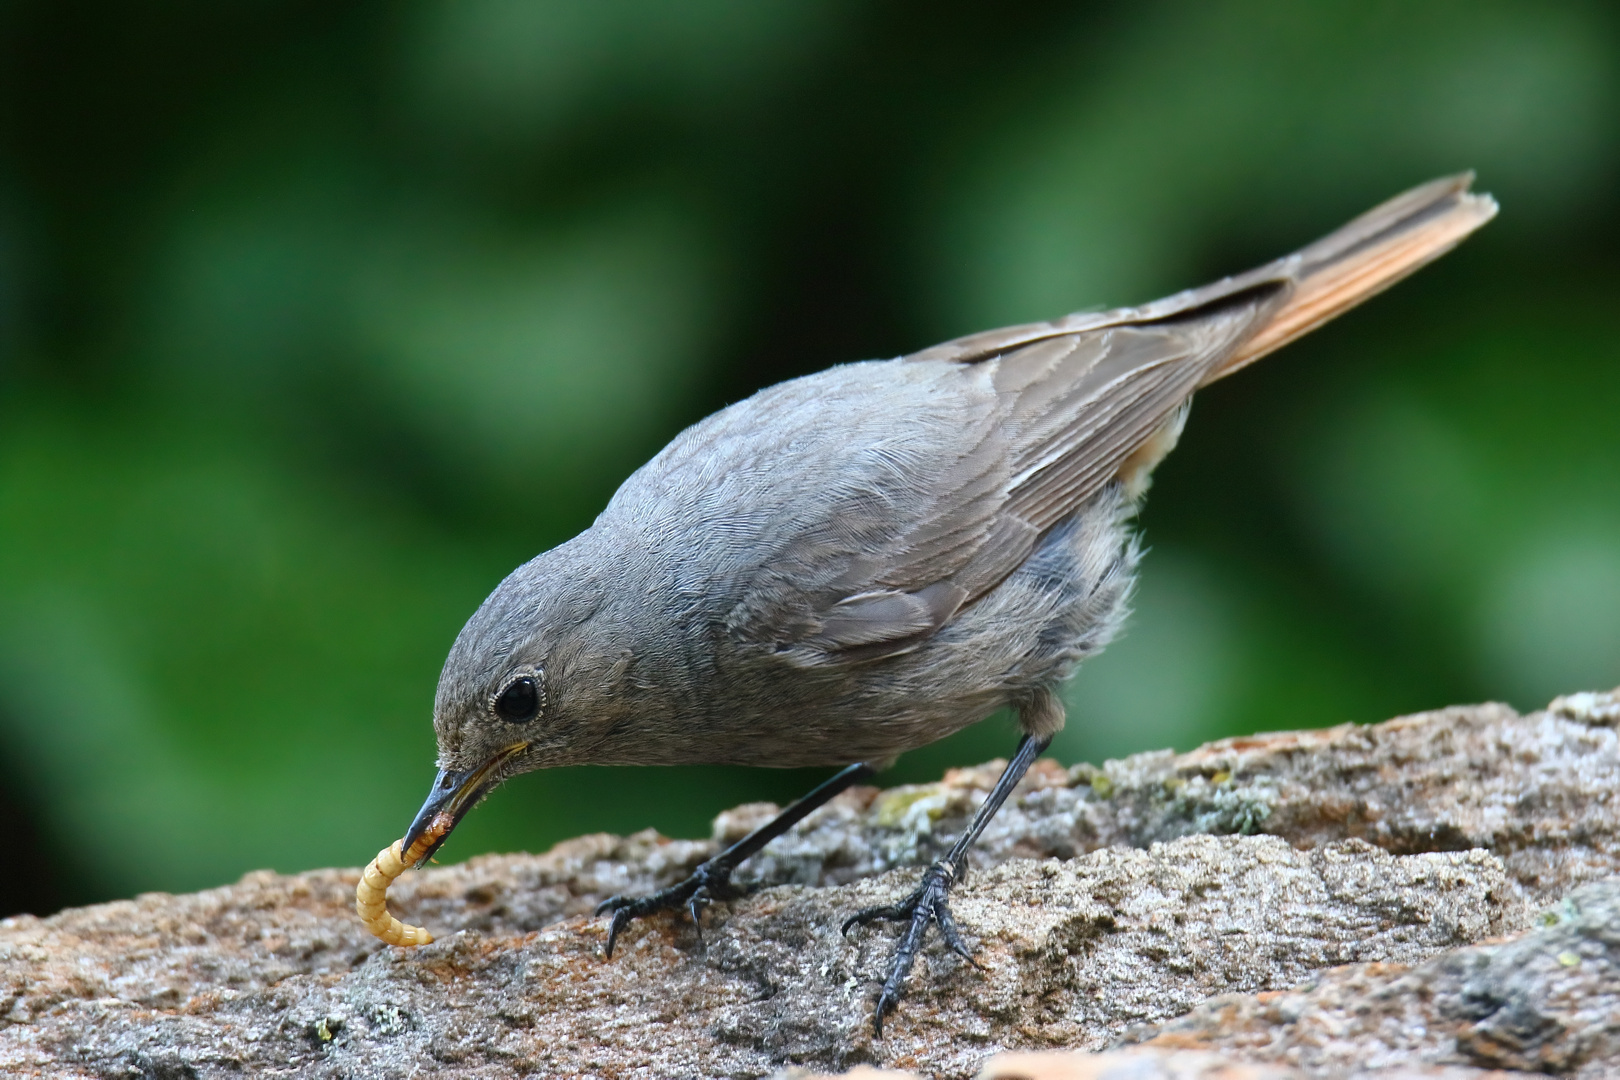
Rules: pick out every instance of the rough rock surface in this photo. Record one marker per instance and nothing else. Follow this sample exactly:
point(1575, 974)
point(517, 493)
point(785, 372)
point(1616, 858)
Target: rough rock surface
point(1106, 904)
point(1547, 1001)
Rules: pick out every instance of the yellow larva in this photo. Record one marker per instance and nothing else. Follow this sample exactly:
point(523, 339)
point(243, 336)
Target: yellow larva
point(371, 895)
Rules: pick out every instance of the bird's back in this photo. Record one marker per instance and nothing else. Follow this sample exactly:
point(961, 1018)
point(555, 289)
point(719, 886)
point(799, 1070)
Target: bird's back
point(840, 537)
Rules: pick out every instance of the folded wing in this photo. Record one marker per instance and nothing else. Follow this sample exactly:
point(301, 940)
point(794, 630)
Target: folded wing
point(1052, 413)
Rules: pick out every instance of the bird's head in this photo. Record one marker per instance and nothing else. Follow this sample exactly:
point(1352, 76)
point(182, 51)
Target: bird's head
point(503, 706)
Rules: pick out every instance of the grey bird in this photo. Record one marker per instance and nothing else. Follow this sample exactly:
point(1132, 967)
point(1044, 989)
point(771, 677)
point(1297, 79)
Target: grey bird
point(854, 564)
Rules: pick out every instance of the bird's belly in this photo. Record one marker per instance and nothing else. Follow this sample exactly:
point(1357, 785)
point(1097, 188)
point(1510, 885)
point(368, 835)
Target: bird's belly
point(1064, 604)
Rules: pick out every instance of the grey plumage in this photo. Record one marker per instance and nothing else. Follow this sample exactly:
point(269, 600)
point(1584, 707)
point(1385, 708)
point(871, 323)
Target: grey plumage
point(850, 565)
point(859, 562)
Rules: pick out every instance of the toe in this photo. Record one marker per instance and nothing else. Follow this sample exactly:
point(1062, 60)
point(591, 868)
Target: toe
point(948, 931)
point(621, 919)
point(694, 907)
point(886, 912)
point(885, 1005)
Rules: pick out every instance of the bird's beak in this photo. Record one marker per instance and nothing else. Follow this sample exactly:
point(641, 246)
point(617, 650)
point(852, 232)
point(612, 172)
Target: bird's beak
point(455, 793)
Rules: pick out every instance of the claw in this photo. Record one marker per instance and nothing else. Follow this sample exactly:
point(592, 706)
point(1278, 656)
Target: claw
point(890, 912)
point(621, 919)
point(948, 931)
point(926, 904)
point(699, 901)
point(886, 1003)
point(706, 884)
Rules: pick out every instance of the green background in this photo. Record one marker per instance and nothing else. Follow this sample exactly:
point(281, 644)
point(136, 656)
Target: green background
point(317, 318)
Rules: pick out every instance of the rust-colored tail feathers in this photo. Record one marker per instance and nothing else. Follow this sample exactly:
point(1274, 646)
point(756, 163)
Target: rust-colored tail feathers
point(1365, 257)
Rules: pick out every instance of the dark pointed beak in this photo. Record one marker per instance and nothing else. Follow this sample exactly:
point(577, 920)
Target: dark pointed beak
point(456, 792)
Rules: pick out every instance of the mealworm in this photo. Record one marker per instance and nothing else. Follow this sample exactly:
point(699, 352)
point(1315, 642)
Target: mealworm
point(371, 895)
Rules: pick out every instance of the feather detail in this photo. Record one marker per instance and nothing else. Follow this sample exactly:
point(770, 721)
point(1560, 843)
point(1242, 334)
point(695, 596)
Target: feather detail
point(945, 469)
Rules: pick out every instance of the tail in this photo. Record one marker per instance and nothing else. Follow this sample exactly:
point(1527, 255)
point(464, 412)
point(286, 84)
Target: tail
point(1306, 288)
point(1362, 258)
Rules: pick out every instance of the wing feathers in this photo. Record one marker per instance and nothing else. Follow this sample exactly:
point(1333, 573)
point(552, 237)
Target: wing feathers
point(1052, 412)
point(1118, 403)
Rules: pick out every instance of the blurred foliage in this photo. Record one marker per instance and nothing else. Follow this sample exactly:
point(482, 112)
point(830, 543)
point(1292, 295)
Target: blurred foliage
point(316, 319)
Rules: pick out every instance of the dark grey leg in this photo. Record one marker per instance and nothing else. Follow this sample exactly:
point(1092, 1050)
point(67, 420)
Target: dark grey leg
point(927, 903)
point(712, 880)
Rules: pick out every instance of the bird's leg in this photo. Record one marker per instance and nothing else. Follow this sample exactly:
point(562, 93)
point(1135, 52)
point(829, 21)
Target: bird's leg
point(927, 903)
point(712, 880)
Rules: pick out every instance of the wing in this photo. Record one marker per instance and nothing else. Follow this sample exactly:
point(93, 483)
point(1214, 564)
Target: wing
point(952, 475)
point(937, 474)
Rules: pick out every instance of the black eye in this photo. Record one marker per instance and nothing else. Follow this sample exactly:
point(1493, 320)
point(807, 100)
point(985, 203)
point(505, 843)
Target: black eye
point(519, 702)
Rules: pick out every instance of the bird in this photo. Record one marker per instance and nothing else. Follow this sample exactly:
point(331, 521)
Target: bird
point(859, 562)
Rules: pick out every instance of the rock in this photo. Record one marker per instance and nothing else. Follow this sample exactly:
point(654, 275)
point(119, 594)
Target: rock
point(1074, 952)
point(1104, 902)
point(1147, 1063)
point(1537, 790)
point(1547, 1001)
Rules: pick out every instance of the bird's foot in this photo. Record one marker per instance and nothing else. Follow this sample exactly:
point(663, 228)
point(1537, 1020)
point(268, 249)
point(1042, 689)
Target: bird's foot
point(709, 882)
point(926, 904)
